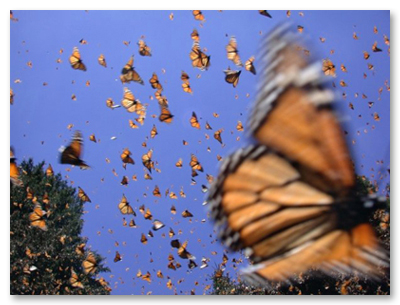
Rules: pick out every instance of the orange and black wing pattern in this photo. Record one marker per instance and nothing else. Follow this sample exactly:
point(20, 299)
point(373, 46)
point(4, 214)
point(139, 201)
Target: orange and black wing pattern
point(76, 61)
point(36, 218)
point(72, 153)
point(232, 76)
point(129, 74)
point(199, 58)
point(289, 201)
point(14, 171)
point(233, 53)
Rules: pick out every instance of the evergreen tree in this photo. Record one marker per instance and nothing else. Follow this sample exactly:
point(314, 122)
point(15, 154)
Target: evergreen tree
point(46, 251)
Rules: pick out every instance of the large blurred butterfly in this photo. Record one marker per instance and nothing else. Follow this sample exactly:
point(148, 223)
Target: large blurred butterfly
point(72, 153)
point(290, 201)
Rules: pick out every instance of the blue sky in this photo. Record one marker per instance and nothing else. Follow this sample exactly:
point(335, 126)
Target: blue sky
point(42, 113)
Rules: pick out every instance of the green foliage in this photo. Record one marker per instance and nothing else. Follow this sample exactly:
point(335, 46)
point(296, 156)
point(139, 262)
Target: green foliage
point(314, 282)
point(41, 261)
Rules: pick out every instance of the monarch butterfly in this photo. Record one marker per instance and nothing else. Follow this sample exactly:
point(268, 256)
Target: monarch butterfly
point(130, 103)
point(117, 257)
point(72, 153)
point(210, 178)
point(143, 239)
point(162, 100)
point(171, 266)
point(171, 232)
point(194, 122)
point(233, 53)
point(129, 74)
point(199, 59)
point(249, 66)
point(375, 47)
point(102, 61)
point(133, 125)
point(148, 214)
point(147, 161)
point(290, 200)
point(80, 249)
point(186, 214)
point(182, 193)
point(36, 218)
point(124, 180)
point(265, 13)
point(110, 103)
point(153, 132)
point(184, 76)
point(82, 195)
point(126, 157)
point(208, 126)
point(239, 126)
point(165, 115)
point(104, 283)
point(147, 277)
point(156, 191)
point(11, 96)
point(198, 15)
point(386, 39)
point(154, 82)
point(232, 77)
point(328, 67)
point(90, 264)
point(195, 164)
point(217, 135)
point(125, 207)
point(92, 138)
point(144, 49)
point(300, 28)
point(182, 252)
point(195, 35)
point(157, 225)
point(194, 173)
point(14, 171)
point(132, 224)
point(75, 60)
point(186, 88)
point(179, 163)
point(74, 280)
point(159, 274)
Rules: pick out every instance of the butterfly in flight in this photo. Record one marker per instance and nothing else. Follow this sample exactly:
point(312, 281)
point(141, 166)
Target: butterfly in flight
point(289, 200)
point(72, 153)
point(14, 171)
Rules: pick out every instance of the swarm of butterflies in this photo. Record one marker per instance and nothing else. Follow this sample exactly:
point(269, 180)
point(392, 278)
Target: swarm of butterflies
point(288, 200)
